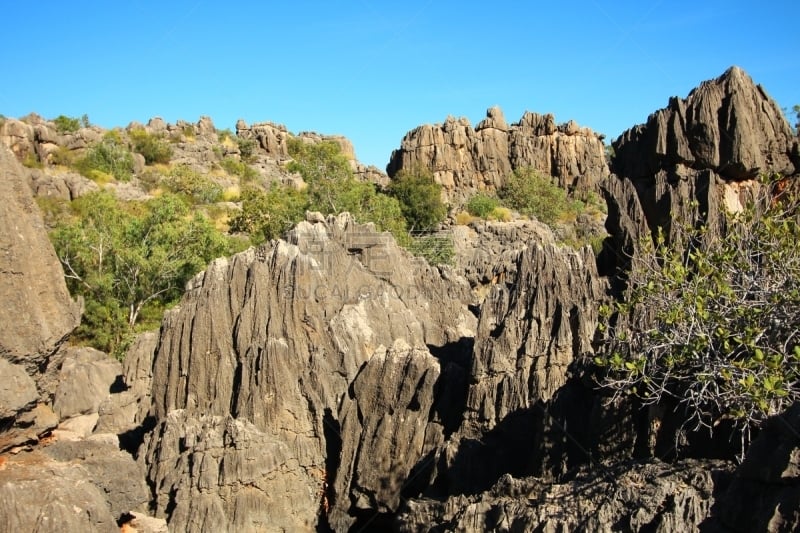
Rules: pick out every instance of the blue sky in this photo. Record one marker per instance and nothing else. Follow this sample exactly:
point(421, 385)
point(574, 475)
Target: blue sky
point(374, 70)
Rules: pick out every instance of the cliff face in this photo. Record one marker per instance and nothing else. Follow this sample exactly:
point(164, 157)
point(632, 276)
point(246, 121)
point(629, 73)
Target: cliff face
point(53, 475)
point(272, 347)
point(728, 125)
point(466, 160)
point(330, 381)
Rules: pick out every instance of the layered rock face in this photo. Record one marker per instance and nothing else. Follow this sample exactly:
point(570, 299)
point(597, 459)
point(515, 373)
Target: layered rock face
point(465, 160)
point(260, 355)
point(728, 125)
point(37, 314)
point(56, 472)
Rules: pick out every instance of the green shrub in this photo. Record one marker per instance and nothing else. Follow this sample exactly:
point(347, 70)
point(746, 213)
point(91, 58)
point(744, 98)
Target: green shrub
point(65, 124)
point(225, 135)
point(436, 249)
point(534, 195)
point(269, 214)
point(63, 156)
point(245, 172)
point(481, 205)
point(193, 185)
point(154, 148)
point(109, 156)
point(722, 339)
point(420, 198)
point(32, 161)
point(247, 149)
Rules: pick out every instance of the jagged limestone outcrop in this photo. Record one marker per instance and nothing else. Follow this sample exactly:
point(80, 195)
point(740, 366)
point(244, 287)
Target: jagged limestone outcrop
point(54, 476)
point(728, 125)
point(273, 338)
point(630, 497)
point(466, 160)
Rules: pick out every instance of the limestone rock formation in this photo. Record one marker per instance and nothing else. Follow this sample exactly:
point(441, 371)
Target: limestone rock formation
point(465, 160)
point(272, 338)
point(765, 493)
point(630, 497)
point(37, 312)
point(386, 430)
point(728, 125)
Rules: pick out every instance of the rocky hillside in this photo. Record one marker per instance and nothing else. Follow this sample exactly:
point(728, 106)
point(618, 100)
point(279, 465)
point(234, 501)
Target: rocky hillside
point(331, 381)
point(51, 150)
point(466, 160)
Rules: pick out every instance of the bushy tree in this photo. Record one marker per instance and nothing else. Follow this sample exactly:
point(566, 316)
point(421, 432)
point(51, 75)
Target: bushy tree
point(535, 195)
point(420, 198)
point(193, 185)
point(713, 325)
point(126, 258)
point(268, 214)
point(154, 148)
point(110, 156)
point(333, 189)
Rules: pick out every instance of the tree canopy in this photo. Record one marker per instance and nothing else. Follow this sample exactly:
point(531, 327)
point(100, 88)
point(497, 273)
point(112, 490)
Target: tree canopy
point(127, 258)
point(723, 338)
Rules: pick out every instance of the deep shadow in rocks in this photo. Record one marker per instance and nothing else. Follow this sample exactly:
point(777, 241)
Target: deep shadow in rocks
point(479, 462)
point(333, 450)
point(131, 440)
point(452, 386)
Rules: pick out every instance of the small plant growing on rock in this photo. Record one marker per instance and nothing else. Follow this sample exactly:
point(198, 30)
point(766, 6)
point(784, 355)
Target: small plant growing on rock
point(154, 148)
point(481, 205)
point(109, 156)
point(534, 195)
point(247, 149)
point(714, 325)
point(65, 124)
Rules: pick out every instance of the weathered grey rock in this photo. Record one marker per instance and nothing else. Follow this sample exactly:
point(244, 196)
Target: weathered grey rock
point(487, 252)
point(126, 408)
point(765, 493)
point(278, 334)
point(530, 334)
point(17, 390)
point(27, 427)
point(18, 137)
point(40, 494)
point(85, 381)
point(114, 472)
point(729, 125)
point(631, 497)
point(37, 312)
point(216, 473)
point(141, 523)
point(466, 160)
point(388, 428)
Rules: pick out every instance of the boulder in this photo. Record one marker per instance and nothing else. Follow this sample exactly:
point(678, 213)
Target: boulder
point(40, 494)
point(86, 380)
point(114, 472)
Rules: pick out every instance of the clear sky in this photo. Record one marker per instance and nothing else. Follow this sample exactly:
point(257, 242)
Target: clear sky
point(372, 70)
